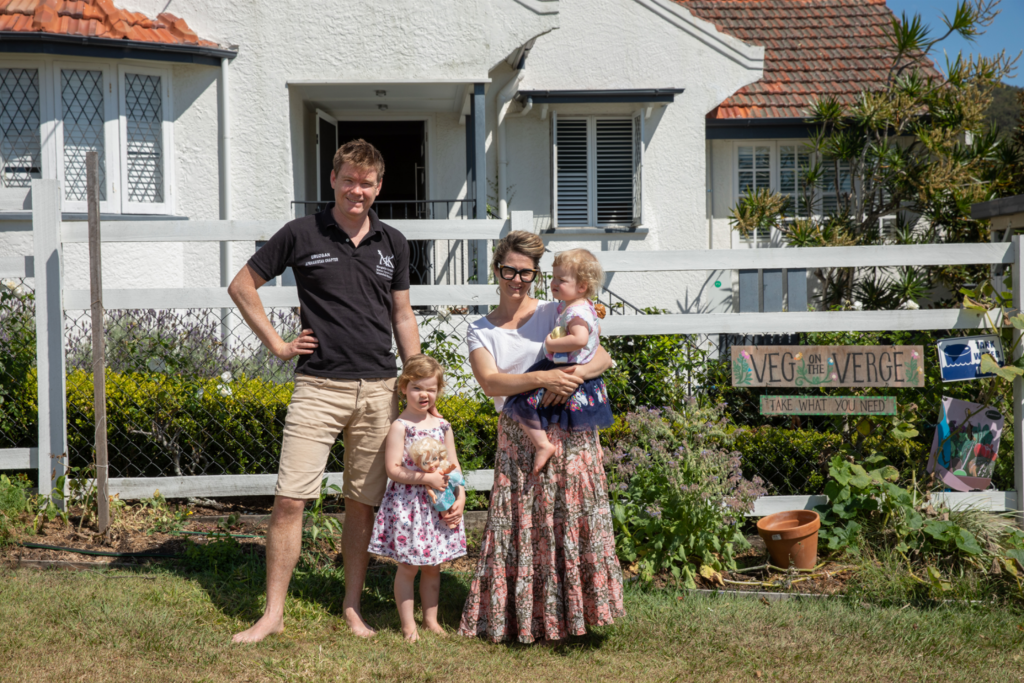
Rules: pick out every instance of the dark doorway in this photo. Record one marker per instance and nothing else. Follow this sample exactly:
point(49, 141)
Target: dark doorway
point(403, 145)
point(403, 195)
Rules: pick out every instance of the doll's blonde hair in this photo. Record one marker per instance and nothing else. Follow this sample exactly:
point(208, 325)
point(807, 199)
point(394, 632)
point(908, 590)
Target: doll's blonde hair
point(427, 449)
point(420, 366)
point(584, 267)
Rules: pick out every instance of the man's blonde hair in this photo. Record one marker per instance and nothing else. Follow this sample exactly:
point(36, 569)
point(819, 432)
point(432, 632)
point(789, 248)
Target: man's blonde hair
point(420, 366)
point(360, 154)
point(584, 267)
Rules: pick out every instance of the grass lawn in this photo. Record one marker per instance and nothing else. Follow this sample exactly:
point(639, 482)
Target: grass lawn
point(175, 625)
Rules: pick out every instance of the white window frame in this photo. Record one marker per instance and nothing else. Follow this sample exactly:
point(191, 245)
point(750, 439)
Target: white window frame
point(637, 146)
point(112, 204)
point(167, 141)
point(47, 158)
point(739, 241)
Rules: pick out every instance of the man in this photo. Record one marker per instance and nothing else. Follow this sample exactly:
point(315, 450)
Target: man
point(352, 273)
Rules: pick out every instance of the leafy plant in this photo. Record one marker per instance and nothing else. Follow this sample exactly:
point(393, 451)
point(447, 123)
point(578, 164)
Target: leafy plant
point(677, 492)
point(165, 518)
point(317, 524)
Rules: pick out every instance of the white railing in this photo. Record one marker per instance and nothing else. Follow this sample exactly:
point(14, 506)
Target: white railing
point(52, 300)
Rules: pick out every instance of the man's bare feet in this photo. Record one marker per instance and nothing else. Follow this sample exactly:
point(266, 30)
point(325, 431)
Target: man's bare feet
point(411, 636)
point(356, 624)
point(266, 626)
point(435, 628)
point(544, 453)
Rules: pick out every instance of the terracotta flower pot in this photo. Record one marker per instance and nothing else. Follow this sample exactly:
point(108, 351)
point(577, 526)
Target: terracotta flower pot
point(791, 535)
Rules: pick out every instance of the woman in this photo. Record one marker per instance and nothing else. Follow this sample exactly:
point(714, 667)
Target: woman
point(547, 562)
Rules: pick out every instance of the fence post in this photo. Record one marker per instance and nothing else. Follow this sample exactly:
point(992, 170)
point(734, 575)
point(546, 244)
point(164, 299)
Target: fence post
point(53, 442)
point(1018, 383)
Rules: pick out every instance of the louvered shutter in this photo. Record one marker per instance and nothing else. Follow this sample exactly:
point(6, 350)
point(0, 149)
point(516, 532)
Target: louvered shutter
point(572, 196)
point(615, 171)
point(554, 169)
point(638, 168)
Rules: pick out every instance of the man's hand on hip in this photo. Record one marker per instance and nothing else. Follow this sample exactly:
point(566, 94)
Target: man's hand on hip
point(303, 345)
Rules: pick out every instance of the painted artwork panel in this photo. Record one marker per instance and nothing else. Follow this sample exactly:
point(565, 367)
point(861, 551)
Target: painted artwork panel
point(966, 444)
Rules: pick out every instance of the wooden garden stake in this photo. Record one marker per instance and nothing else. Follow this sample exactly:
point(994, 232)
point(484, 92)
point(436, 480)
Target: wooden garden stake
point(99, 379)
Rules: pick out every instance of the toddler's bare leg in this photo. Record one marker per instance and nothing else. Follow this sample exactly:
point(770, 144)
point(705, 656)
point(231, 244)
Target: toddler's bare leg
point(545, 449)
point(405, 599)
point(430, 591)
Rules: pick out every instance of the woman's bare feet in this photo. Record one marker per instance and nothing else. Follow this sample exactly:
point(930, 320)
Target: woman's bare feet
point(356, 624)
point(266, 626)
point(543, 454)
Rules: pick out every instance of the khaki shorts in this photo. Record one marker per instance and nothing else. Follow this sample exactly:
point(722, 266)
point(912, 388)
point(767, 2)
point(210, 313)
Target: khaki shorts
point(321, 408)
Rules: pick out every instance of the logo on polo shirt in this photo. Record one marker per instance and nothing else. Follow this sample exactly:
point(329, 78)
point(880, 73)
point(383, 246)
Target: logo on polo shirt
point(386, 268)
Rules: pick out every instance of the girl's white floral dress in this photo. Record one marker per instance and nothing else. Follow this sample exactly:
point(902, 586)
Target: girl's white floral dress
point(407, 527)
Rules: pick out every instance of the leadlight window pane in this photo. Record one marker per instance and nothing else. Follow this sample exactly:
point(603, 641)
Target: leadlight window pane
point(19, 127)
point(82, 98)
point(144, 119)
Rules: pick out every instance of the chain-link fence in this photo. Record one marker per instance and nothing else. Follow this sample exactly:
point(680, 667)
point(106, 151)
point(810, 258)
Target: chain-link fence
point(193, 393)
point(18, 414)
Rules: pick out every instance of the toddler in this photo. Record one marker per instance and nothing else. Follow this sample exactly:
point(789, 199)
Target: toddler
point(407, 527)
point(577, 275)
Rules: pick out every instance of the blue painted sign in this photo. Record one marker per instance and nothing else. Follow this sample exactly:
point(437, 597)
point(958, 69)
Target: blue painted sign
point(960, 357)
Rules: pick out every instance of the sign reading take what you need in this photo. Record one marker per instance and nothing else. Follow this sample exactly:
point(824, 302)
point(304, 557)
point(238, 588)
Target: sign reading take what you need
point(828, 405)
point(828, 366)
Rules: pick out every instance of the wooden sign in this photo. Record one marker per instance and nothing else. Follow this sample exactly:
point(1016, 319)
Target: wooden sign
point(828, 366)
point(828, 405)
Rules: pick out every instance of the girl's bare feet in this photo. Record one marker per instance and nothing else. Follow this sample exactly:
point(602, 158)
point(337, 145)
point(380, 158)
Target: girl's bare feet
point(436, 628)
point(411, 636)
point(544, 453)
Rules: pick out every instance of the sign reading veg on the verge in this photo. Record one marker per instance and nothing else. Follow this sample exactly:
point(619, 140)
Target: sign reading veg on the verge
point(828, 405)
point(828, 366)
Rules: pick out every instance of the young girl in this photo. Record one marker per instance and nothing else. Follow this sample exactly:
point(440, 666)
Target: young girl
point(408, 528)
point(577, 275)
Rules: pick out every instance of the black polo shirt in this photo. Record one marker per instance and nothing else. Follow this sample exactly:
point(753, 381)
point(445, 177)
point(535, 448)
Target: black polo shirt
point(344, 291)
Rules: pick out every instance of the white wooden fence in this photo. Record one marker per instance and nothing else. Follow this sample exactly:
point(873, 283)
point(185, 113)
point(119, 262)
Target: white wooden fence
point(52, 300)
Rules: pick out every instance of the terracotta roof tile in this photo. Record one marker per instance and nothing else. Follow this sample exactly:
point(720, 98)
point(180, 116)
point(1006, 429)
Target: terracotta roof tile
point(812, 48)
point(99, 18)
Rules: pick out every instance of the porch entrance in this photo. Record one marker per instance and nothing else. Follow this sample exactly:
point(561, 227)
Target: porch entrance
point(403, 144)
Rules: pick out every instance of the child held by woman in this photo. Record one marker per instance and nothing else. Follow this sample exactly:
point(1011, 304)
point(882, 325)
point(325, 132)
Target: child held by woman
point(408, 528)
point(577, 275)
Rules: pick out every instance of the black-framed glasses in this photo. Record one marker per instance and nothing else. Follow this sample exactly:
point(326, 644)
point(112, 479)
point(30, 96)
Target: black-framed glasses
point(525, 275)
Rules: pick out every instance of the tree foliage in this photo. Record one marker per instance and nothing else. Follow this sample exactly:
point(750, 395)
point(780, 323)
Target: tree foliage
point(912, 156)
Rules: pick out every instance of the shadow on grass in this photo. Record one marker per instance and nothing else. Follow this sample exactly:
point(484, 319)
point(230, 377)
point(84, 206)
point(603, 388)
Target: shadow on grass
point(234, 578)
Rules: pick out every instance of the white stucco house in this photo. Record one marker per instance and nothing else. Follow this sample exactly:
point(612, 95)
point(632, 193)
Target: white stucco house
point(621, 124)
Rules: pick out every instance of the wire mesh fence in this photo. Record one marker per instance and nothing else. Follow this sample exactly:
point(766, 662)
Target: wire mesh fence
point(194, 392)
point(18, 413)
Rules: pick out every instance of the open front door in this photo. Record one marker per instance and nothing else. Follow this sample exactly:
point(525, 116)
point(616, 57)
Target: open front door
point(326, 146)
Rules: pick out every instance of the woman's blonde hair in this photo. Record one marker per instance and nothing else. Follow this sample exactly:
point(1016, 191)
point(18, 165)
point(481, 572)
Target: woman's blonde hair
point(519, 242)
point(584, 267)
point(420, 366)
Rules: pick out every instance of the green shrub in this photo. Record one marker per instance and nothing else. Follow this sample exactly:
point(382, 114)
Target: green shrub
point(791, 461)
point(677, 492)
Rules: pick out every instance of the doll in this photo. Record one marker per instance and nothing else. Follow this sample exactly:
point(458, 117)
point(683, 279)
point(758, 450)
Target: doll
point(430, 455)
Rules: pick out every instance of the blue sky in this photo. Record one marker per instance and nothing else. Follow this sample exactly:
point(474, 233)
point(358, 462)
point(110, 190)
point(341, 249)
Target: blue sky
point(1007, 32)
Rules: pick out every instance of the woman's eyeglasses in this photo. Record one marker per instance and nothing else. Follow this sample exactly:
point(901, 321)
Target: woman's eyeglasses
point(525, 275)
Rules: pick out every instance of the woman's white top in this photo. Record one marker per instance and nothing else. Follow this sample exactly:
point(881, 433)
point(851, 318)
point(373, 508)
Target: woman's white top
point(514, 350)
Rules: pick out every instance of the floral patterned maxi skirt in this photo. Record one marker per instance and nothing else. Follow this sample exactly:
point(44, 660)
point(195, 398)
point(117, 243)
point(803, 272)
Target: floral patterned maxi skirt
point(547, 561)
